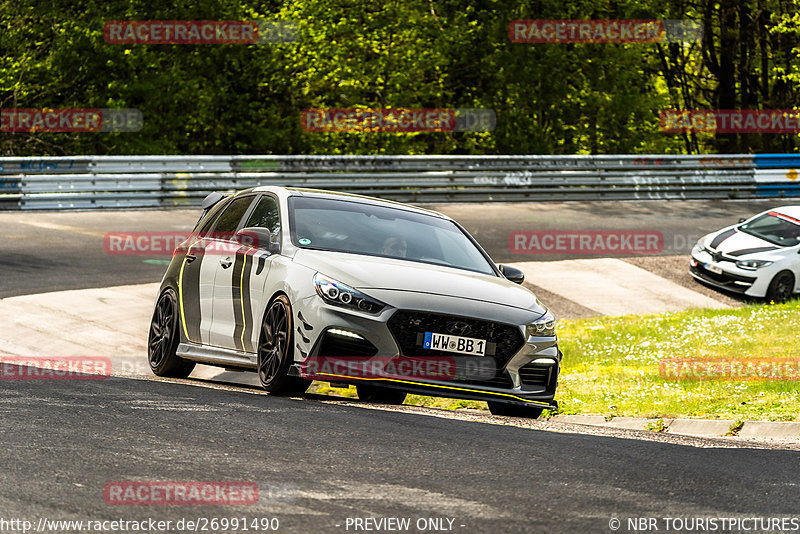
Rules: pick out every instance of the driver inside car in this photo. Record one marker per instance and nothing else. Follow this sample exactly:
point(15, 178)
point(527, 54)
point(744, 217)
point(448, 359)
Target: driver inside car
point(394, 246)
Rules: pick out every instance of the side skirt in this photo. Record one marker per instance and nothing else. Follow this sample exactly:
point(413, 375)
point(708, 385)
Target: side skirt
point(217, 356)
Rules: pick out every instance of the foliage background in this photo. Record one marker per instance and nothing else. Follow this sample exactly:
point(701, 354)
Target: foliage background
point(549, 98)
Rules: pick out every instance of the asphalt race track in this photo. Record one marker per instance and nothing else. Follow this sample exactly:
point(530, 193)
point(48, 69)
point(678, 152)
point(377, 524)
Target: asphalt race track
point(318, 464)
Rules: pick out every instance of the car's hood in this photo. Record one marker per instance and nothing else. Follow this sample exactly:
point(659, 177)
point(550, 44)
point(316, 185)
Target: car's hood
point(733, 242)
point(369, 272)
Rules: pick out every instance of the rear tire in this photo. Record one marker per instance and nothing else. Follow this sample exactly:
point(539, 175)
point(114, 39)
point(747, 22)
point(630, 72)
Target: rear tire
point(163, 339)
point(380, 395)
point(275, 351)
point(781, 287)
point(514, 410)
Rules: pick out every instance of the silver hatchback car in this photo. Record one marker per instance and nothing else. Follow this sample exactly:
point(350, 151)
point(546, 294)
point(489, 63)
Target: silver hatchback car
point(300, 285)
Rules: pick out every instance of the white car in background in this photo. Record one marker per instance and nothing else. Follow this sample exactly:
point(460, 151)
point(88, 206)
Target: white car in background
point(758, 257)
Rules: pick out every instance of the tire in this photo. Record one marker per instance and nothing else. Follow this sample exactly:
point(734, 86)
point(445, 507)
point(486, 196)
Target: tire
point(275, 354)
point(163, 339)
point(380, 395)
point(781, 287)
point(514, 410)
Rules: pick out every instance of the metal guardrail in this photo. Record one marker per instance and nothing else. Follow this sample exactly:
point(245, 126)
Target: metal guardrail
point(83, 182)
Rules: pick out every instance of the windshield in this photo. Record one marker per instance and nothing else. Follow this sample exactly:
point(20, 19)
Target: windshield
point(774, 227)
point(358, 228)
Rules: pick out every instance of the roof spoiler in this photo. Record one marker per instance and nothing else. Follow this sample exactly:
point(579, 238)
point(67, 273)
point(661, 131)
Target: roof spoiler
point(211, 200)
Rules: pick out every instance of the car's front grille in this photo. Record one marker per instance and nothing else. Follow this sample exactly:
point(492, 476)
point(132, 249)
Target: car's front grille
point(467, 373)
point(502, 341)
point(724, 278)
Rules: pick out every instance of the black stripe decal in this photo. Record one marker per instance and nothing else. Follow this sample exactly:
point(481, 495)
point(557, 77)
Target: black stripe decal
point(722, 237)
point(191, 294)
point(248, 306)
point(751, 251)
point(237, 301)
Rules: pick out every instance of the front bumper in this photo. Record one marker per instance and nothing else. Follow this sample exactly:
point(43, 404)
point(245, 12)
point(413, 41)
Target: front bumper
point(525, 370)
point(727, 281)
point(731, 278)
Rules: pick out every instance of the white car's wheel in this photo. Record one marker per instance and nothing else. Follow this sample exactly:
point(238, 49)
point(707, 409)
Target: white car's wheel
point(781, 287)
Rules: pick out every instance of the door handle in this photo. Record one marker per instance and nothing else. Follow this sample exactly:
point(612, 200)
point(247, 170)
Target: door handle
point(225, 262)
point(190, 258)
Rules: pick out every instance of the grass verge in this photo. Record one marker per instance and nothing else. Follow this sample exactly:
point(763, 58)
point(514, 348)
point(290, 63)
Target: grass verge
point(611, 364)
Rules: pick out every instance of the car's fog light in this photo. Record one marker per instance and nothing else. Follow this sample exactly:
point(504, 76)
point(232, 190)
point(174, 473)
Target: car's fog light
point(344, 333)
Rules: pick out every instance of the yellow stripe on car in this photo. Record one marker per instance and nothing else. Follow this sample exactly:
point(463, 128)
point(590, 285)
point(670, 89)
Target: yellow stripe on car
point(180, 289)
point(483, 392)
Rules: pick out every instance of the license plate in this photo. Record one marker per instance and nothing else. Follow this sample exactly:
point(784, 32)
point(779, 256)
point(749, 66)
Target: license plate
point(459, 344)
point(713, 268)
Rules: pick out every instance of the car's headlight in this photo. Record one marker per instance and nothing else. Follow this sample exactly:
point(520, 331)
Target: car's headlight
point(544, 326)
point(752, 265)
point(339, 294)
point(700, 245)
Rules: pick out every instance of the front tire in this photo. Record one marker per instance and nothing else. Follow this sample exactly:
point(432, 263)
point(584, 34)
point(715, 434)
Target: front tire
point(514, 410)
point(380, 395)
point(163, 339)
point(275, 351)
point(781, 287)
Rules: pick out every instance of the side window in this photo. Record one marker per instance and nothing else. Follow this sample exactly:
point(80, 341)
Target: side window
point(265, 215)
point(229, 220)
point(205, 224)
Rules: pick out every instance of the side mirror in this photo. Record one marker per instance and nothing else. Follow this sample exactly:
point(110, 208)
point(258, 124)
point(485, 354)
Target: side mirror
point(742, 220)
point(258, 237)
point(512, 273)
